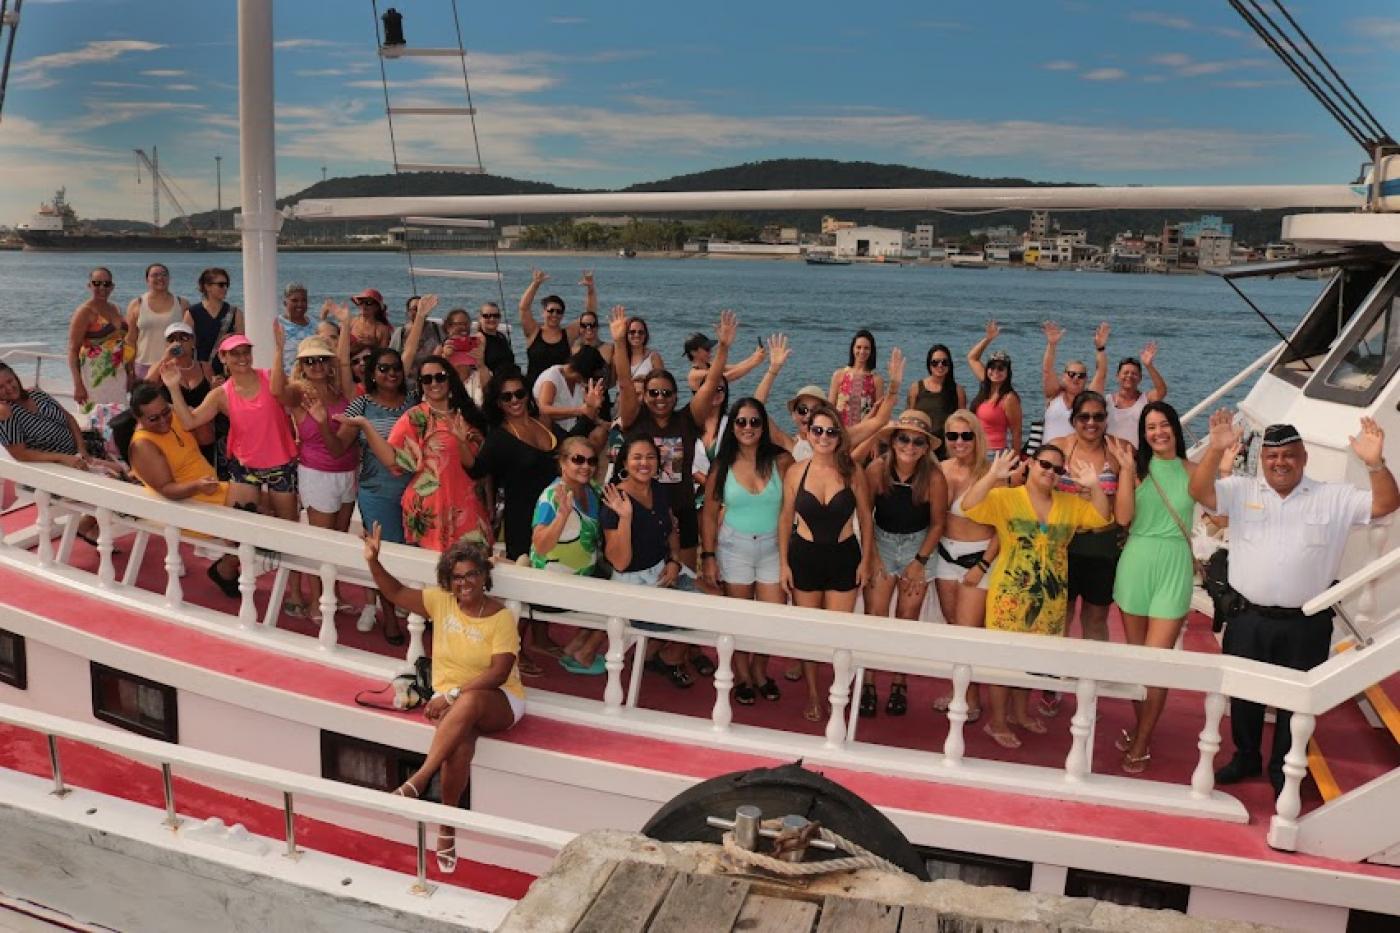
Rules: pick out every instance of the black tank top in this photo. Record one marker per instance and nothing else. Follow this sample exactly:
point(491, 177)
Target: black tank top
point(541, 355)
point(824, 520)
point(896, 511)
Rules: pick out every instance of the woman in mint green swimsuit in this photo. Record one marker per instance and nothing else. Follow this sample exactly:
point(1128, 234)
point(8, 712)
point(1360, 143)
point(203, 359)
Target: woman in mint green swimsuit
point(1154, 580)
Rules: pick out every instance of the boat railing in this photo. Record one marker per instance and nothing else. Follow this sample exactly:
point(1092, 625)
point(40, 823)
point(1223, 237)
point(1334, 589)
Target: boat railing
point(20, 354)
point(1234, 382)
point(849, 642)
point(538, 842)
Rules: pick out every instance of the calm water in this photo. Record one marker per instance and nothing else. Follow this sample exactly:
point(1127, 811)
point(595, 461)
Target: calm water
point(1206, 334)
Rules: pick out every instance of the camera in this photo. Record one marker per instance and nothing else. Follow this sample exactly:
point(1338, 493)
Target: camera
point(177, 350)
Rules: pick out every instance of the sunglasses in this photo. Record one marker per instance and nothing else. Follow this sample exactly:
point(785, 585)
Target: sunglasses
point(1050, 465)
point(515, 395)
point(911, 440)
point(366, 301)
point(1073, 374)
point(179, 337)
point(803, 410)
point(580, 460)
point(817, 430)
point(588, 325)
point(317, 360)
point(742, 422)
point(468, 576)
point(428, 379)
point(217, 284)
point(660, 393)
point(1097, 417)
point(553, 310)
point(636, 333)
point(490, 317)
point(968, 436)
point(939, 362)
point(388, 367)
point(98, 283)
point(360, 360)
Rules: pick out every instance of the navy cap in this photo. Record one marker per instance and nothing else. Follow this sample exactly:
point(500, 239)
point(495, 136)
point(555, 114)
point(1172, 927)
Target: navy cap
point(1281, 435)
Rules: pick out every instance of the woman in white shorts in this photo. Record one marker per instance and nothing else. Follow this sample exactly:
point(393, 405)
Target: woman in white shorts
point(966, 553)
point(739, 528)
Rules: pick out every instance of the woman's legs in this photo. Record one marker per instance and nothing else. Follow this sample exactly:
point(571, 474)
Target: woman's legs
point(476, 712)
point(313, 582)
point(758, 663)
point(807, 599)
point(971, 613)
point(743, 673)
point(877, 603)
point(908, 605)
point(1161, 633)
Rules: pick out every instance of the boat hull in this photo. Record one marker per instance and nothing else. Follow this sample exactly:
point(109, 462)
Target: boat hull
point(45, 241)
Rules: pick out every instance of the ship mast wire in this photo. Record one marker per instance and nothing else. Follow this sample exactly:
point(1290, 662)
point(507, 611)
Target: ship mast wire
point(393, 143)
point(476, 144)
point(1381, 135)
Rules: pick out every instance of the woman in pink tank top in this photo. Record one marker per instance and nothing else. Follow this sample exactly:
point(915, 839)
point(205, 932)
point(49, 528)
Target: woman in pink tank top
point(996, 405)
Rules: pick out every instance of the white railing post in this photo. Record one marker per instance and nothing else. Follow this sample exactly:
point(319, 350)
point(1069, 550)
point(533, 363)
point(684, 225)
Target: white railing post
point(327, 606)
point(1203, 778)
point(106, 570)
point(1283, 828)
point(612, 661)
point(1081, 757)
point(247, 586)
point(839, 696)
point(416, 626)
point(174, 568)
point(43, 505)
point(723, 713)
point(954, 745)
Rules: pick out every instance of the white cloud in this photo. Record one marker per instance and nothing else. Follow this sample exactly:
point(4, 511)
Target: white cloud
point(180, 87)
point(164, 73)
point(108, 112)
point(1376, 29)
point(303, 44)
point(38, 72)
point(1061, 64)
point(1105, 74)
point(567, 20)
point(1169, 21)
point(489, 72)
point(1171, 59)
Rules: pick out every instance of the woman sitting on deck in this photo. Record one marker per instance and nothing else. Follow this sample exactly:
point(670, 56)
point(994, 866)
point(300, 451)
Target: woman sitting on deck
point(476, 680)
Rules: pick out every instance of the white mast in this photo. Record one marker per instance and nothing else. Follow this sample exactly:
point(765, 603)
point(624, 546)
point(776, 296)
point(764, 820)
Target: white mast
point(257, 167)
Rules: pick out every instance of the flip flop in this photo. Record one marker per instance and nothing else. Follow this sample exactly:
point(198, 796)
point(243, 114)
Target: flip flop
point(599, 665)
point(1034, 726)
point(1124, 741)
point(1135, 765)
point(396, 639)
point(813, 713)
point(1006, 739)
point(527, 667)
point(702, 664)
point(793, 674)
point(941, 704)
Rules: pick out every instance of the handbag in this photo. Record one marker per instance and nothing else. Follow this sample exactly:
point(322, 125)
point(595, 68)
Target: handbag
point(411, 690)
point(1215, 574)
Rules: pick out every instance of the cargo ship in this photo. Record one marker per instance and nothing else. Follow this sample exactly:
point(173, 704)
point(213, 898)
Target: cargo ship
point(55, 226)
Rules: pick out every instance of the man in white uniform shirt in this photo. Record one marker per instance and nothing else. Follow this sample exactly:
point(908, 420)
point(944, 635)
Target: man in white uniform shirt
point(1287, 533)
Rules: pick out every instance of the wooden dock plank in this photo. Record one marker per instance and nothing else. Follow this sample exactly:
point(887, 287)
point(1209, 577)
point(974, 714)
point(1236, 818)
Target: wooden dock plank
point(628, 899)
point(848, 915)
point(919, 920)
point(763, 914)
point(700, 904)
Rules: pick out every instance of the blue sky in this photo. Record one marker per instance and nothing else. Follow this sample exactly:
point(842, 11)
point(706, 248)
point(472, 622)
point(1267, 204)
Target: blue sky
point(605, 94)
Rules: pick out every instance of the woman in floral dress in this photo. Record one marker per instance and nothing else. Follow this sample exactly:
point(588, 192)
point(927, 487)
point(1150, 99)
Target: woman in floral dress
point(96, 347)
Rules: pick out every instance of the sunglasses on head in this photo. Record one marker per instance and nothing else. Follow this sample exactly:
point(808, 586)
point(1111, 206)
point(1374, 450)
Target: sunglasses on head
point(817, 430)
point(1050, 465)
point(746, 422)
point(1097, 417)
point(939, 362)
point(580, 460)
point(968, 436)
point(388, 367)
point(1076, 374)
point(513, 395)
point(911, 440)
point(429, 378)
point(98, 283)
point(660, 393)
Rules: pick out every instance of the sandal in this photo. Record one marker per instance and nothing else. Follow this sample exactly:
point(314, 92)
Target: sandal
point(898, 703)
point(294, 610)
point(1050, 704)
point(702, 664)
point(794, 672)
point(974, 714)
point(412, 791)
point(1135, 764)
point(1005, 739)
point(229, 587)
point(574, 666)
point(396, 638)
point(447, 855)
point(814, 712)
point(1124, 741)
point(941, 704)
point(527, 667)
point(1033, 726)
point(770, 691)
point(744, 695)
point(869, 700)
point(672, 672)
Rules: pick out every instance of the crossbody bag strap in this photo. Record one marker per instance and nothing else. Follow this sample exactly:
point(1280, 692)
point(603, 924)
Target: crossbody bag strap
point(1180, 525)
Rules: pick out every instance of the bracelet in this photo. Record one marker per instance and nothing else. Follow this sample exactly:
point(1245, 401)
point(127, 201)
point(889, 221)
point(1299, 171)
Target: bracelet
point(1098, 349)
point(704, 554)
point(1378, 468)
point(671, 560)
point(983, 565)
point(922, 559)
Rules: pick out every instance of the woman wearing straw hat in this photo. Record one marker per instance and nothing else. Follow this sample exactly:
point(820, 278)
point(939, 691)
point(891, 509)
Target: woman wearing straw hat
point(909, 498)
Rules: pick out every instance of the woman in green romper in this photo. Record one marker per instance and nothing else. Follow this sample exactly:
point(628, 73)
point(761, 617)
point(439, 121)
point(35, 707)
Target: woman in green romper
point(1154, 580)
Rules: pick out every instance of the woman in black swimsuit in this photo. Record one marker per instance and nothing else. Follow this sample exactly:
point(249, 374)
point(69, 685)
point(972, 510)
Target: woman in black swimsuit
point(547, 344)
point(823, 563)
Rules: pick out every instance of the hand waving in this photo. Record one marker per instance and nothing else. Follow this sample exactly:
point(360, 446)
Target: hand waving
point(778, 351)
point(1053, 332)
point(617, 500)
point(587, 279)
point(1369, 443)
point(1224, 434)
point(1101, 335)
point(538, 277)
point(1003, 464)
point(617, 325)
point(993, 330)
point(727, 328)
point(1149, 353)
point(896, 367)
point(1084, 475)
point(371, 538)
point(426, 304)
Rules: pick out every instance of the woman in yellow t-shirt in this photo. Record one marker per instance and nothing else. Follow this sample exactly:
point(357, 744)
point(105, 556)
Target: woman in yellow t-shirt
point(1034, 525)
point(476, 680)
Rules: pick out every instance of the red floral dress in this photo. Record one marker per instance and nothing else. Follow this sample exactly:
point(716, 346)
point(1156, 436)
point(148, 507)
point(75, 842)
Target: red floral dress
point(440, 505)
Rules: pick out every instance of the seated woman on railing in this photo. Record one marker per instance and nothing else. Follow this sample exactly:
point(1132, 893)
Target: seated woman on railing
point(568, 538)
point(476, 680)
point(1035, 523)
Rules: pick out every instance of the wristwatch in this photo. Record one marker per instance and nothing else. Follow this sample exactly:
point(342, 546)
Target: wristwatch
point(922, 559)
point(1378, 468)
point(452, 695)
point(983, 565)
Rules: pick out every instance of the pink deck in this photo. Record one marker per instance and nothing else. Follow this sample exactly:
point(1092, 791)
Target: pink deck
point(1356, 752)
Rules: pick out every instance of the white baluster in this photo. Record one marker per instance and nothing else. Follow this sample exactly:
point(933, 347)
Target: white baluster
point(1081, 759)
point(174, 568)
point(1283, 828)
point(416, 625)
point(43, 504)
point(247, 586)
point(839, 696)
point(617, 648)
point(1367, 602)
point(1203, 778)
point(954, 746)
point(106, 570)
point(327, 606)
point(723, 714)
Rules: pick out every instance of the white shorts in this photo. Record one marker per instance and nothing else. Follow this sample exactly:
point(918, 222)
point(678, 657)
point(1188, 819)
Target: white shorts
point(517, 705)
point(745, 559)
point(325, 492)
point(947, 570)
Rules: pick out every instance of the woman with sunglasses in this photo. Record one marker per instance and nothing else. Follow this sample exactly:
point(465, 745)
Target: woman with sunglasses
point(642, 360)
point(213, 318)
point(1034, 523)
point(518, 456)
point(149, 315)
point(938, 394)
point(97, 346)
point(826, 546)
point(909, 499)
point(739, 528)
point(1156, 573)
point(547, 342)
point(568, 538)
point(1061, 389)
point(697, 349)
point(809, 398)
point(476, 677)
point(373, 414)
point(371, 327)
point(194, 383)
point(856, 388)
point(997, 403)
point(1125, 414)
point(968, 549)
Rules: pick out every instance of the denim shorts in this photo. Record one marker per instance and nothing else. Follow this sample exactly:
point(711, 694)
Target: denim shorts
point(277, 478)
point(897, 551)
point(744, 559)
point(648, 576)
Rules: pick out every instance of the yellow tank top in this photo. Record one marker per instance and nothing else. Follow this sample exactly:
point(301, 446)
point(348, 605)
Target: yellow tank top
point(187, 464)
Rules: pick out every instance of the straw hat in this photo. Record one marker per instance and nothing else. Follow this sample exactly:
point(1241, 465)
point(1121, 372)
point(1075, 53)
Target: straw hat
point(815, 392)
point(314, 346)
point(917, 422)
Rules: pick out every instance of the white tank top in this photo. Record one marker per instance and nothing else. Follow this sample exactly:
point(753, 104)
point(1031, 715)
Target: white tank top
point(1057, 423)
point(642, 368)
point(564, 397)
point(1123, 422)
point(150, 329)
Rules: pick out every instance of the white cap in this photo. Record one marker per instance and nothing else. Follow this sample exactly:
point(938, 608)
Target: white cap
point(178, 327)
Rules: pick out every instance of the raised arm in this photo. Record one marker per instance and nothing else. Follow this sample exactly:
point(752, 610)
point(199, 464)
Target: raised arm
point(1369, 445)
point(545, 535)
point(996, 475)
point(405, 597)
point(974, 356)
point(414, 337)
point(1100, 359)
point(617, 542)
point(745, 366)
point(1088, 478)
point(725, 331)
point(1224, 435)
point(1159, 385)
point(628, 404)
point(212, 405)
point(279, 373)
point(528, 325)
point(878, 418)
point(590, 303)
point(342, 348)
point(1049, 377)
point(777, 357)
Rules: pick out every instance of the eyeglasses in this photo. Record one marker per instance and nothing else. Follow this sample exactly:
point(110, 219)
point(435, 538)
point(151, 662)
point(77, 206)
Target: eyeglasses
point(742, 422)
point(968, 436)
point(316, 360)
point(553, 310)
point(1097, 417)
point(580, 460)
point(911, 440)
point(636, 333)
point(470, 575)
point(158, 275)
point(491, 317)
point(1050, 465)
point(366, 301)
point(388, 367)
point(588, 325)
point(158, 417)
point(217, 284)
point(660, 393)
point(98, 283)
point(817, 430)
point(429, 378)
point(802, 410)
point(515, 395)
point(1076, 374)
point(998, 364)
point(939, 362)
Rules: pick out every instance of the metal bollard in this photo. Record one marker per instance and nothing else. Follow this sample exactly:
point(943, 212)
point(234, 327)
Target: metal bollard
point(746, 824)
point(168, 785)
point(290, 825)
point(421, 887)
point(59, 790)
point(794, 824)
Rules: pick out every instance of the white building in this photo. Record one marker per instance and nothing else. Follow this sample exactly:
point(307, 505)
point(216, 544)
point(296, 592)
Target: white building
point(925, 236)
point(871, 241)
point(1213, 249)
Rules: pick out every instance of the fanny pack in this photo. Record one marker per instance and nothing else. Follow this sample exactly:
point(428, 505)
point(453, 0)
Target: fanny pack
point(967, 561)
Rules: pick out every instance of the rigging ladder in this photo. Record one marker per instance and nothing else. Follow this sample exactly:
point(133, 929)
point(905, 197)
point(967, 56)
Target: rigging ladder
point(391, 47)
point(9, 20)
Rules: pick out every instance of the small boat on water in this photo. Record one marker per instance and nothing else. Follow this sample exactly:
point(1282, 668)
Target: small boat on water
point(825, 259)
